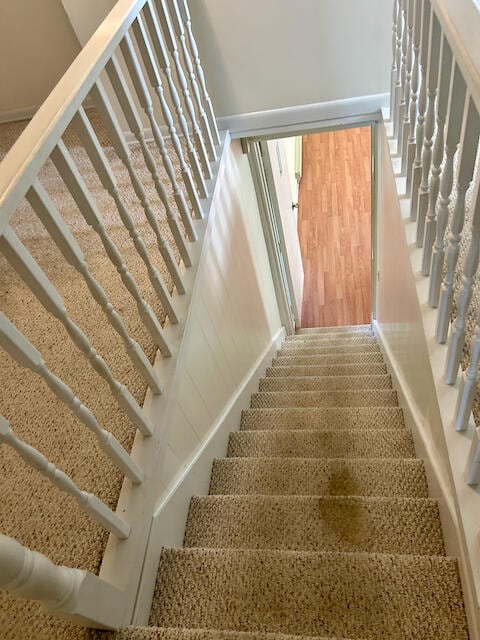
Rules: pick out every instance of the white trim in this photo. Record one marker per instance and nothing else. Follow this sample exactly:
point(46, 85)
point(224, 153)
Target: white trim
point(341, 112)
point(15, 115)
point(170, 516)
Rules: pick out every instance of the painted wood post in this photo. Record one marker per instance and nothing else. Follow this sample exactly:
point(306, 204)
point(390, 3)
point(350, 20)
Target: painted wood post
point(404, 131)
point(30, 272)
point(393, 71)
point(472, 468)
point(421, 108)
point(435, 47)
point(454, 128)
point(25, 354)
point(177, 22)
point(457, 336)
point(398, 64)
point(469, 384)
point(88, 502)
point(74, 594)
point(117, 139)
point(157, 85)
point(107, 177)
point(118, 81)
point(466, 165)
point(73, 254)
point(437, 158)
point(409, 149)
point(185, 13)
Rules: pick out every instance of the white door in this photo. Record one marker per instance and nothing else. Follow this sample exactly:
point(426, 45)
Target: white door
point(276, 164)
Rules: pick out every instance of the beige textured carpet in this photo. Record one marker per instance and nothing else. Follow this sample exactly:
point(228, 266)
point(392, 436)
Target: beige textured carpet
point(318, 524)
point(31, 509)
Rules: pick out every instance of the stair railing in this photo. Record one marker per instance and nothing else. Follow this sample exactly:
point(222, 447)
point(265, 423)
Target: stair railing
point(437, 43)
point(137, 35)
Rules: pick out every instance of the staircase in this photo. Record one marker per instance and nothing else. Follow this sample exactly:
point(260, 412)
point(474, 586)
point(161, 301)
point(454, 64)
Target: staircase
point(318, 522)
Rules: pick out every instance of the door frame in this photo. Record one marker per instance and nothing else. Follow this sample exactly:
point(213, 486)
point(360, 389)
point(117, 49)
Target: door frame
point(265, 189)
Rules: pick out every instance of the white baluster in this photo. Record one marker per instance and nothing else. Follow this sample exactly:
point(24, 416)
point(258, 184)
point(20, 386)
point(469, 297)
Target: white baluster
point(422, 106)
point(405, 123)
point(457, 336)
point(393, 72)
point(466, 165)
point(72, 253)
point(409, 154)
point(129, 108)
point(469, 384)
point(171, 44)
point(97, 157)
point(74, 594)
point(432, 85)
point(25, 354)
point(157, 85)
point(437, 159)
point(117, 138)
point(454, 128)
point(88, 502)
point(472, 468)
point(398, 62)
point(28, 269)
point(185, 13)
point(177, 21)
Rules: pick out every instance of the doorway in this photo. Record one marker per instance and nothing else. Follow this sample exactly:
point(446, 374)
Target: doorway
point(320, 185)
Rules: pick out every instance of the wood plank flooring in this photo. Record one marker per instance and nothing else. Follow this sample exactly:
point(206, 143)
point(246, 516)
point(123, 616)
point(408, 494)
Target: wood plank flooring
point(334, 227)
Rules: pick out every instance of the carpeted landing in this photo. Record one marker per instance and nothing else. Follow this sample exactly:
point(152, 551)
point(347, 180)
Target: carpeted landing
point(318, 523)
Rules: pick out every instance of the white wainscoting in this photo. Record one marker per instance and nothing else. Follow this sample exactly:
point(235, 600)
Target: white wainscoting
point(402, 321)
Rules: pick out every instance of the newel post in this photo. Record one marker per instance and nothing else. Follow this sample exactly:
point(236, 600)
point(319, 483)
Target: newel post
point(74, 594)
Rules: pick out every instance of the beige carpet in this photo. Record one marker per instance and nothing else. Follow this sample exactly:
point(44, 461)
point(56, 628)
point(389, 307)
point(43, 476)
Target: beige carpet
point(31, 509)
point(318, 524)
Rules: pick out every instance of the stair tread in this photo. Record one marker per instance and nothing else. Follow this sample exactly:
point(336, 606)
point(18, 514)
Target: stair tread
point(331, 334)
point(327, 383)
point(176, 633)
point(319, 476)
point(303, 349)
point(331, 339)
point(294, 357)
point(280, 418)
point(329, 370)
point(316, 523)
point(363, 397)
point(349, 328)
point(311, 593)
point(356, 443)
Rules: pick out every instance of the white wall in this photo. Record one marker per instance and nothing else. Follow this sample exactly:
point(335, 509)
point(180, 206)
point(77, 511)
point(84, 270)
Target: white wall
point(267, 54)
point(37, 44)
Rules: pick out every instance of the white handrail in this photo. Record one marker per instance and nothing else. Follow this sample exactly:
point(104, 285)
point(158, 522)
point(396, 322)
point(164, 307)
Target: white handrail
point(35, 144)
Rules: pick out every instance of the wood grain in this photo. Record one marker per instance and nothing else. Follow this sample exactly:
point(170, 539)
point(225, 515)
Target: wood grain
point(334, 223)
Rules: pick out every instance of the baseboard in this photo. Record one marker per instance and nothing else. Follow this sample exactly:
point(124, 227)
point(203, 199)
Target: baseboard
point(345, 112)
point(14, 115)
point(170, 516)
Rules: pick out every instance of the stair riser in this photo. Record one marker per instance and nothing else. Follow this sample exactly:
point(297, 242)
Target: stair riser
point(287, 351)
point(323, 418)
point(330, 341)
point(314, 477)
point(310, 383)
point(342, 335)
point(374, 525)
point(364, 398)
point(317, 444)
point(327, 370)
point(372, 357)
point(339, 329)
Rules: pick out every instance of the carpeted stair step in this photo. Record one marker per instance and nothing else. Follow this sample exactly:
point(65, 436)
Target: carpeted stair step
point(303, 349)
point(356, 443)
point(373, 357)
point(312, 523)
point(320, 341)
point(322, 418)
point(359, 595)
point(319, 476)
point(338, 370)
point(339, 329)
point(164, 633)
point(363, 398)
point(325, 383)
point(331, 335)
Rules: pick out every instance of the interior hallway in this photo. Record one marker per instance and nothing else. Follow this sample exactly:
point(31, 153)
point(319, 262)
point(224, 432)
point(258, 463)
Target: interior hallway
point(334, 227)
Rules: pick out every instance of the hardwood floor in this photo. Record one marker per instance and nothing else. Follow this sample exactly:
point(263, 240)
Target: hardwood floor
point(334, 227)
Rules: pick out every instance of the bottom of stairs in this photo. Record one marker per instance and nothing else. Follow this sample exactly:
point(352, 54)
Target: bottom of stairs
point(318, 523)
